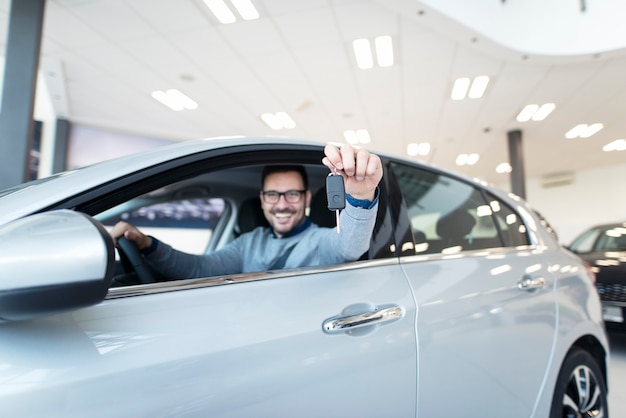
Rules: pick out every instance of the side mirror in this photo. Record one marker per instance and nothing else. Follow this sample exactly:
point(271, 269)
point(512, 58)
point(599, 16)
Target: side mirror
point(53, 262)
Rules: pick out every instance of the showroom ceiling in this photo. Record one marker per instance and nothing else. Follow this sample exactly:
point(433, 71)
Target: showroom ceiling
point(106, 57)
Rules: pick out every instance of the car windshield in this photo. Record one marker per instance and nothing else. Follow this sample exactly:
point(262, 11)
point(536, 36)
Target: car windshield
point(605, 238)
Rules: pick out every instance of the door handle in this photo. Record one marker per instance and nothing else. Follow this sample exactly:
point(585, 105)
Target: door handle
point(360, 319)
point(531, 283)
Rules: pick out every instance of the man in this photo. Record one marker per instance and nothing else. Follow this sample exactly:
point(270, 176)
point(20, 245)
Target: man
point(291, 240)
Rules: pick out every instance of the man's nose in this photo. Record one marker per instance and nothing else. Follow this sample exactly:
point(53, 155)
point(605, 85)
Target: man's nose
point(282, 201)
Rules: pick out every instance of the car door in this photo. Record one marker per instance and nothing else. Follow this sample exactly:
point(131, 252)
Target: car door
point(335, 341)
point(485, 300)
point(253, 345)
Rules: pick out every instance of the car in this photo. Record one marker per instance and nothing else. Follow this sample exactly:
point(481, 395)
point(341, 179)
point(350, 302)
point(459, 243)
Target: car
point(604, 248)
point(465, 303)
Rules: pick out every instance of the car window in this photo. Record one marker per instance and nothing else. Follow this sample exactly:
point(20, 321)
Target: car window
point(447, 215)
point(512, 229)
point(609, 238)
point(186, 224)
point(584, 242)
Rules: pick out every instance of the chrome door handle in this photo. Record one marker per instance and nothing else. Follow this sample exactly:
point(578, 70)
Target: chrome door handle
point(372, 317)
point(531, 283)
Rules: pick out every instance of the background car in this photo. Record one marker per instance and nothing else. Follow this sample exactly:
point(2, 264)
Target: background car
point(465, 304)
point(604, 248)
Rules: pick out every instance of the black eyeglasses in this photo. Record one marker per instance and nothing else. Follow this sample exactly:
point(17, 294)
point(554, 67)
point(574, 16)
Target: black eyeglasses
point(291, 196)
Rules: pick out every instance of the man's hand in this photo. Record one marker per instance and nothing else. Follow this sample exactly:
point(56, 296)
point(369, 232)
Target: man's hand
point(130, 233)
point(361, 170)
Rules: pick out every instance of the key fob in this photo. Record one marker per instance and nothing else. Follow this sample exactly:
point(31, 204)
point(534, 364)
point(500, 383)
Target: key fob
point(335, 192)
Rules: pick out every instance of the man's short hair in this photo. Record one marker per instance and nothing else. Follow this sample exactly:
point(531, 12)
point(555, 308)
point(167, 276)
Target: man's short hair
point(272, 169)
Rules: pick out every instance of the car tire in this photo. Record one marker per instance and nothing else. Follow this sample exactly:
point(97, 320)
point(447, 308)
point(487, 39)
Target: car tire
point(580, 388)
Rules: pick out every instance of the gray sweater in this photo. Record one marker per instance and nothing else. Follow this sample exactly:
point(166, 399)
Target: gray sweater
point(259, 249)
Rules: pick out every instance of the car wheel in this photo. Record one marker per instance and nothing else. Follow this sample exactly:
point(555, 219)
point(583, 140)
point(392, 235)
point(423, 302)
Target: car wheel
point(580, 390)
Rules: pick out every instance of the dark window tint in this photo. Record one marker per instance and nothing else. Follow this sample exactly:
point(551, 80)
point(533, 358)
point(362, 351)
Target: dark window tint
point(513, 230)
point(446, 215)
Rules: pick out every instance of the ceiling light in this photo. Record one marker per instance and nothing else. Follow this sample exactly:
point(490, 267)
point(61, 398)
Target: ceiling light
point(360, 136)
point(363, 53)
point(544, 111)
point(617, 145)
point(535, 112)
point(527, 112)
point(467, 159)
point(583, 130)
point(222, 12)
point(591, 130)
point(414, 149)
point(504, 168)
point(363, 136)
point(384, 51)
point(278, 120)
point(459, 90)
point(365, 57)
point(175, 100)
point(479, 85)
point(246, 9)
point(351, 137)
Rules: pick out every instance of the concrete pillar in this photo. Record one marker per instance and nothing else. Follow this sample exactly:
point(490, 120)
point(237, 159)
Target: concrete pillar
point(516, 159)
point(18, 92)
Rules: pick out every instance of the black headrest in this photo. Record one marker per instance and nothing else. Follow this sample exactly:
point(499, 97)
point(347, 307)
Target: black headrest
point(250, 215)
point(320, 215)
point(455, 225)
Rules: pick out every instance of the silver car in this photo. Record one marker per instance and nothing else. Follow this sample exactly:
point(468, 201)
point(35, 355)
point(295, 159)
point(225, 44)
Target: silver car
point(465, 304)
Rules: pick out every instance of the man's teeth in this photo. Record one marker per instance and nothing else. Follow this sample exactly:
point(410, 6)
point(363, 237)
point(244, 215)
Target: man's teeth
point(283, 215)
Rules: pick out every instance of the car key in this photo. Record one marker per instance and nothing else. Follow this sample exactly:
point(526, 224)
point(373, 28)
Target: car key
point(335, 193)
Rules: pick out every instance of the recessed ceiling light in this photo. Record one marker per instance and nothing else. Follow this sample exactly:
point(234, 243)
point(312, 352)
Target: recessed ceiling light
point(246, 9)
point(365, 57)
point(414, 149)
point(617, 145)
point(459, 90)
point(363, 53)
point(222, 12)
point(467, 159)
point(278, 120)
point(359, 136)
point(535, 112)
point(479, 85)
point(384, 51)
point(504, 168)
point(583, 130)
point(527, 112)
point(175, 100)
point(543, 111)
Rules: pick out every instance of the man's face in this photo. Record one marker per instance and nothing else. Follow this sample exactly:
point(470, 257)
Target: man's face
point(282, 215)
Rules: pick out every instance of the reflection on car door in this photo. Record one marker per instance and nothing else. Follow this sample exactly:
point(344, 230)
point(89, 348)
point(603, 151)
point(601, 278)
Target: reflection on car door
point(255, 348)
point(478, 332)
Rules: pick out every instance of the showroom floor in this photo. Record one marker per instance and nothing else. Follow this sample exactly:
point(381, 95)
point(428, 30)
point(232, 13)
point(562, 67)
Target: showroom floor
point(617, 374)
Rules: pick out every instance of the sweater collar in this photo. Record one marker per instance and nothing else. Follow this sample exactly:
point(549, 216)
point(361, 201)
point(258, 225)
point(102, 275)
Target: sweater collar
point(305, 225)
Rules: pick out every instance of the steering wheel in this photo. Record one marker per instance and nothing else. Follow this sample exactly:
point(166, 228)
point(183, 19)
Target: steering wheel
point(132, 259)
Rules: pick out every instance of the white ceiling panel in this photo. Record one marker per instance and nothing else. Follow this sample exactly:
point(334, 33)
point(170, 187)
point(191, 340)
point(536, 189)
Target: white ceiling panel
point(298, 58)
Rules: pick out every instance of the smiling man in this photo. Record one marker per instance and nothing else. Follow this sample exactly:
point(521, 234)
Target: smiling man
point(292, 240)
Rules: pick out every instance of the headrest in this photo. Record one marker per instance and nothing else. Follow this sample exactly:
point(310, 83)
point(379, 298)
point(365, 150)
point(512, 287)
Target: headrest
point(250, 215)
point(320, 215)
point(455, 225)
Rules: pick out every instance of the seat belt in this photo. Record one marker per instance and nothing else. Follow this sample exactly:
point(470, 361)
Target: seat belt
point(280, 263)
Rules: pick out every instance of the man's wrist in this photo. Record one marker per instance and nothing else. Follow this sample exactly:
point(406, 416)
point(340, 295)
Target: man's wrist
point(363, 203)
point(150, 248)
